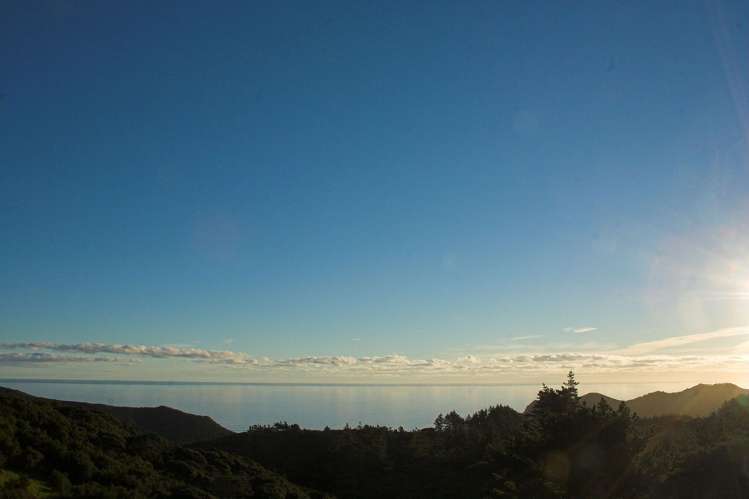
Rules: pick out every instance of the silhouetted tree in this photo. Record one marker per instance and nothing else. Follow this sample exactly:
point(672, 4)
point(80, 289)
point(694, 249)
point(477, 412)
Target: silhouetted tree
point(439, 423)
point(453, 421)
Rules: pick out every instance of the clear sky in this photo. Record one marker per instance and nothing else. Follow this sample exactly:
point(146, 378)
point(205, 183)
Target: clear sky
point(373, 190)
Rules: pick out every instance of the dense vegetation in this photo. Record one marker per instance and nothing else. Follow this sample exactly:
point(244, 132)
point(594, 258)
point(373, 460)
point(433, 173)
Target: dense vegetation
point(562, 447)
point(54, 449)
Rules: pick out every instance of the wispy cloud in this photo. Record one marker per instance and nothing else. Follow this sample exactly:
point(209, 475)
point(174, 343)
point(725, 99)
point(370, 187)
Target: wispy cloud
point(46, 357)
point(527, 337)
point(680, 341)
point(579, 330)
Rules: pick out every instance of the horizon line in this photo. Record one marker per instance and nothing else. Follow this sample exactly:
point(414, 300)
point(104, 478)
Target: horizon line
point(281, 383)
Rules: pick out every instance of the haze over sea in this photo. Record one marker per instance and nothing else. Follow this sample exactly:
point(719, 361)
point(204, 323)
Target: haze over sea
point(239, 405)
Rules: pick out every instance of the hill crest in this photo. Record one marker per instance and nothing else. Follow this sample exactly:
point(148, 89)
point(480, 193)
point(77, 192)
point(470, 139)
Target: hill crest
point(697, 401)
point(174, 425)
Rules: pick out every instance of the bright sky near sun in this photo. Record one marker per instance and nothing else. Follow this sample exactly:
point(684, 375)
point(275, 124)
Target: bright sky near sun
point(373, 190)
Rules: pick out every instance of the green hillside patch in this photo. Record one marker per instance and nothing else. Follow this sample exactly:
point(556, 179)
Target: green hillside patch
point(16, 485)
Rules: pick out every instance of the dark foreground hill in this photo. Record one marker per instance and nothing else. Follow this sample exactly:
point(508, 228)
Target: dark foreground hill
point(172, 424)
point(564, 448)
point(698, 401)
point(52, 449)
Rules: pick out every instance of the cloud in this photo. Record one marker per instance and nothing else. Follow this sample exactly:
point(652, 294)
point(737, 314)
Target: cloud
point(641, 357)
point(159, 352)
point(469, 359)
point(579, 330)
point(45, 357)
point(527, 337)
point(680, 341)
point(530, 363)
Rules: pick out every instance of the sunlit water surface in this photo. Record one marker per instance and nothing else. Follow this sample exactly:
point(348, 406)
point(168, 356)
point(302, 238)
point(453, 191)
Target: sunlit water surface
point(237, 406)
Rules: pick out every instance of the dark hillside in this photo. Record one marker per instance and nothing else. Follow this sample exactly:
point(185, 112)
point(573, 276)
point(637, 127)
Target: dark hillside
point(374, 462)
point(566, 447)
point(697, 401)
point(172, 424)
point(59, 450)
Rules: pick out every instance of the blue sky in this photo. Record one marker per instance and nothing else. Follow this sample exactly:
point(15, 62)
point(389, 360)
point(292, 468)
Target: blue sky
point(367, 180)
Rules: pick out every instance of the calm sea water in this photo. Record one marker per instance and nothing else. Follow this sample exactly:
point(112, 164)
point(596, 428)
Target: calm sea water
point(237, 406)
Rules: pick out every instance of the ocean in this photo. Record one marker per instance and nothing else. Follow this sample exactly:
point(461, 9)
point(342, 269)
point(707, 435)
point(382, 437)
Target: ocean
point(237, 406)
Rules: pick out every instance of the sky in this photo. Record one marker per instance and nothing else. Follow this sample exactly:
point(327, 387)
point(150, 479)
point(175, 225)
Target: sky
point(374, 191)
